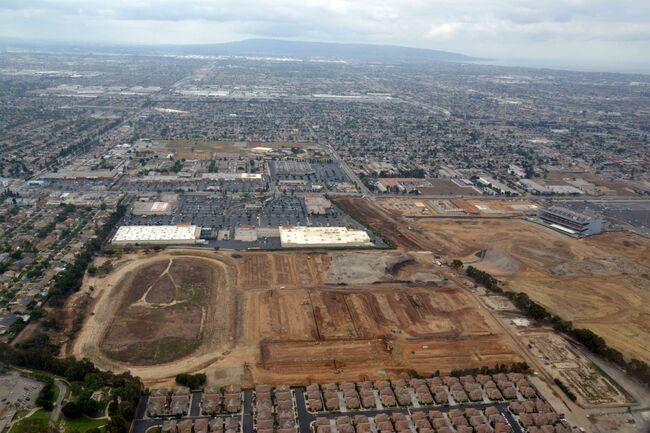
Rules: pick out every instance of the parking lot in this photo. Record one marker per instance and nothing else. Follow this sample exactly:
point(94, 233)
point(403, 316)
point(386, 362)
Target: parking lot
point(325, 174)
point(194, 184)
point(220, 215)
point(635, 213)
point(16, 392)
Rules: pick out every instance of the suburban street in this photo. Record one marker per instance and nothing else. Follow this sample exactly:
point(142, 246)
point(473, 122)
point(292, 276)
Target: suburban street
point(306, 418)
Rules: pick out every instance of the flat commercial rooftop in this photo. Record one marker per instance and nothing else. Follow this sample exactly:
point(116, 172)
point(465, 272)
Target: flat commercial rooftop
point(156, 234)
point(232, 176)
point(322, 236)
point(157, 207)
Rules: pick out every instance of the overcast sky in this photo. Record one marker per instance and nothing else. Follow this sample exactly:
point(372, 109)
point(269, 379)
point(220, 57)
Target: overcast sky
point(612, 34)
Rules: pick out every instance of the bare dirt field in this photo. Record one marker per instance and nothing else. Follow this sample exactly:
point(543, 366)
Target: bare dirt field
point(164, 309)
point(423, 208)
point(284, 318)
point(601, 282)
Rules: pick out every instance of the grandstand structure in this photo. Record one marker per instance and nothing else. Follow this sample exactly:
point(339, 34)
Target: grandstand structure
point(570, 222)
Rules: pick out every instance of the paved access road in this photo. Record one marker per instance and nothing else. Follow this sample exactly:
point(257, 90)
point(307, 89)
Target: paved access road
point(56, 411)
point(195, 403)
point(247, 416)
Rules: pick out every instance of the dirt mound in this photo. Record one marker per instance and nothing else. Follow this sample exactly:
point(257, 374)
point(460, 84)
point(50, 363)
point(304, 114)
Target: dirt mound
point(606, 266)
point(498, 260)
point(394, 265)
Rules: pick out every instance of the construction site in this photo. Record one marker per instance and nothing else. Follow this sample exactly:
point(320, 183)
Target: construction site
point(600, 283)
point(292, 318)
point(591, 387)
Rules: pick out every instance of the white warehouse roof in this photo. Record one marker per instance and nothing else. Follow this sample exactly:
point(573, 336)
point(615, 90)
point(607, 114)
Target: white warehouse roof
point(156, 234)
point(322, 236)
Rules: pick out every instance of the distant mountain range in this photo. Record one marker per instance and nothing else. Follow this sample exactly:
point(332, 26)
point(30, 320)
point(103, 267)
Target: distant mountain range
point(262, 48)
point(322, 50)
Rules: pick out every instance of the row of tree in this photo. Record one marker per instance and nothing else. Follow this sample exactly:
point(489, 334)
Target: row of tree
point(516, 367)
point(69, 281)
point(592, 341)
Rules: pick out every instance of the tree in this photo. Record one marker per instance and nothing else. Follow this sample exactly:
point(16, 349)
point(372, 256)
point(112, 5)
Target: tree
point(71, 410)
point(46, 396)
point(456, 264)
point(192, 381)
point(88, 406)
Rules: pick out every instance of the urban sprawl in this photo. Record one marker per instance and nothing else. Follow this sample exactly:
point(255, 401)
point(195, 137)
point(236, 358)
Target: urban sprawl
point(196, 244)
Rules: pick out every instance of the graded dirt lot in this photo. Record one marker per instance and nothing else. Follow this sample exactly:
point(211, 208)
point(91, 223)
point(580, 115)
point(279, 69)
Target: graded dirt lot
point(284, 318)
point(601, 282)
point(423, 208)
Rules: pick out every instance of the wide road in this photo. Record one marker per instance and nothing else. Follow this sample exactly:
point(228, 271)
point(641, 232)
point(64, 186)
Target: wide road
point(351, 174)
point(56, 411)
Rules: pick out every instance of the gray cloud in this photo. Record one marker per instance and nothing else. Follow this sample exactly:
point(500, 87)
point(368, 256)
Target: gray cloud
point(527, 29)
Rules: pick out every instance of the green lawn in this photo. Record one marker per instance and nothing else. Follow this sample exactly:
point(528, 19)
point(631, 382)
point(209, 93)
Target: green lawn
point(34, 424)
point(83, 424)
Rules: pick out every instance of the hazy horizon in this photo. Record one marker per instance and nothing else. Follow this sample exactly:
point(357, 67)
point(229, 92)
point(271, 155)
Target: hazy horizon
point(639, 67)
point(572, 34)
